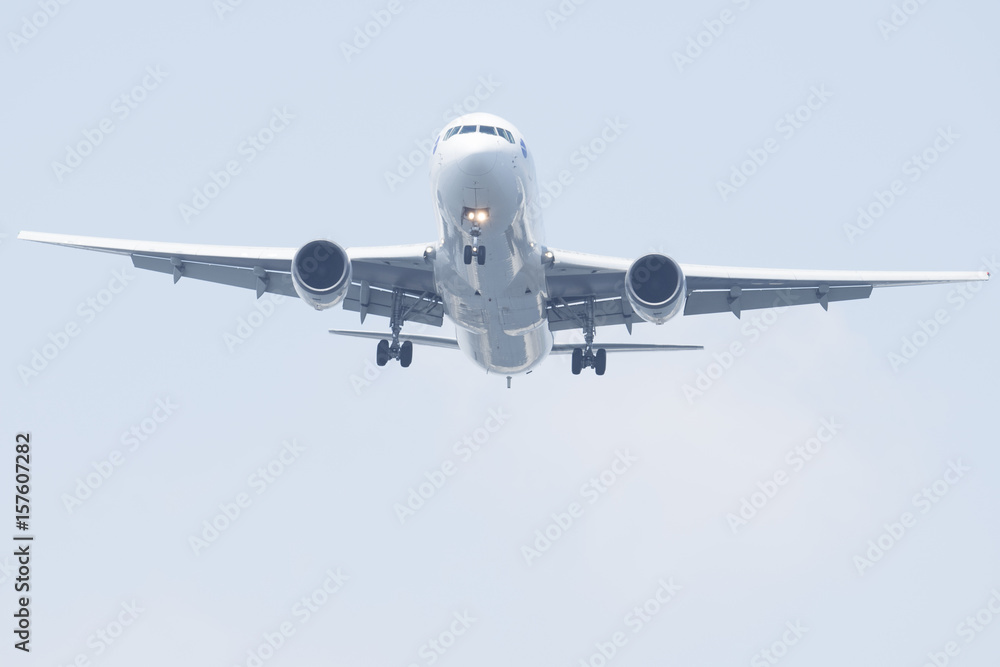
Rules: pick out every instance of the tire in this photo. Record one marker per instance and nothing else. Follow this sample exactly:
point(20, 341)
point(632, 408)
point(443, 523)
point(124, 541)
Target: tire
point(601, 361)
point(468, 254)
point(481, 255)
point(382, 353)
point(577, 360)
point(405, 354)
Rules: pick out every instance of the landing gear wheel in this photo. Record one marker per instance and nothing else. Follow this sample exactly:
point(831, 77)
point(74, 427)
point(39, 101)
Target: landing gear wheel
point(601, 361)
point(382, 353)
point(468, 254)
point(405, 354)
point(481, 255)
point(577, 362)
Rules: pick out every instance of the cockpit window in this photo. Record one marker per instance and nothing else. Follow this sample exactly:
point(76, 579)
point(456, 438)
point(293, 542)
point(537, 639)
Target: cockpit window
point(482, 129)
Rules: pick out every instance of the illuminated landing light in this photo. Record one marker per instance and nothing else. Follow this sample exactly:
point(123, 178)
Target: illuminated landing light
point(476, 215)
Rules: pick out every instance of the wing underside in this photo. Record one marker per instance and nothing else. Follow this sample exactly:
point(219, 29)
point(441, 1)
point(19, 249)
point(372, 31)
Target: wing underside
point(574, 279)
point(377, 272)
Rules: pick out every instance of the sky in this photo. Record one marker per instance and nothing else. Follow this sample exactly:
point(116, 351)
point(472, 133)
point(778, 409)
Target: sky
point(218, 480)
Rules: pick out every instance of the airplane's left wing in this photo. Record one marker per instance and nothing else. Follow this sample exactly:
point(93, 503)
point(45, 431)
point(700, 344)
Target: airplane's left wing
point(376, 271)
point(573, 278)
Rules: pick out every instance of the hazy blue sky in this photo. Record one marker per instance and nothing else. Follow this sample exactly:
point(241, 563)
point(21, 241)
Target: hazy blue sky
point(161, 97)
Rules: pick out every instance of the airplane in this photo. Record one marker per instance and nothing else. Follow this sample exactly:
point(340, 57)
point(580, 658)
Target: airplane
point(491, 273)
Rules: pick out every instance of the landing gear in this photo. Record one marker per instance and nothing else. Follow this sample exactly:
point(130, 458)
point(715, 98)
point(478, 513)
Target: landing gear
point(586, 356)
point(479, 252)
point(395, 350)
point(601, 361)
point(475, 250)
point(382, 355)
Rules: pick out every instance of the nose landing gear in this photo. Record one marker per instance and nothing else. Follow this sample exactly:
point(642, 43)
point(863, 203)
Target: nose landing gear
point(475, 250)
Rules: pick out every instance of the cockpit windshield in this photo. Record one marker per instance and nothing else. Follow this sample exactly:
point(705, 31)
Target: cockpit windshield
point(482, 129)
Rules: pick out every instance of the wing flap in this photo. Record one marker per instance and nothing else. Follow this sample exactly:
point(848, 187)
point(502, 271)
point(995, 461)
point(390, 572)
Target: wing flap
point(272, 281)
point(426, 307)
point(723, 301)
point(563, 314)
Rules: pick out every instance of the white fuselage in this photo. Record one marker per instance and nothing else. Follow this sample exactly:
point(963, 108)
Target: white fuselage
point(499, 306)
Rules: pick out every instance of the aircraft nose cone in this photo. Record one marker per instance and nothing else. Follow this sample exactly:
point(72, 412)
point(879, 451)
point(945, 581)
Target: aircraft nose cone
point(479, 164)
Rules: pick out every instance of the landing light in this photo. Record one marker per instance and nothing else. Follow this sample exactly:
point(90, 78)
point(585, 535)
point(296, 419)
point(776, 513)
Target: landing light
point(476, 215)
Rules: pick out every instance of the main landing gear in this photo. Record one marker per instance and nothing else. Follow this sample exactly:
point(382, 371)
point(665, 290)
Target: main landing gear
point(587, 357)
point(395, 350)
point(475, 250)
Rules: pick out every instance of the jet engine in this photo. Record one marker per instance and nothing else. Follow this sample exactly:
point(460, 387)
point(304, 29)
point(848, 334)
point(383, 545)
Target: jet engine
point(655, 287)
point(321, 273)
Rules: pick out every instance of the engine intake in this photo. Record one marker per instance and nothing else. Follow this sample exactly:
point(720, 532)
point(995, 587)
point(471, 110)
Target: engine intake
point(655, 287)
point(321, 273)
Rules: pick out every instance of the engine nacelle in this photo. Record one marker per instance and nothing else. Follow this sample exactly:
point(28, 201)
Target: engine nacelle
point(655, 287)
point(321, 273)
